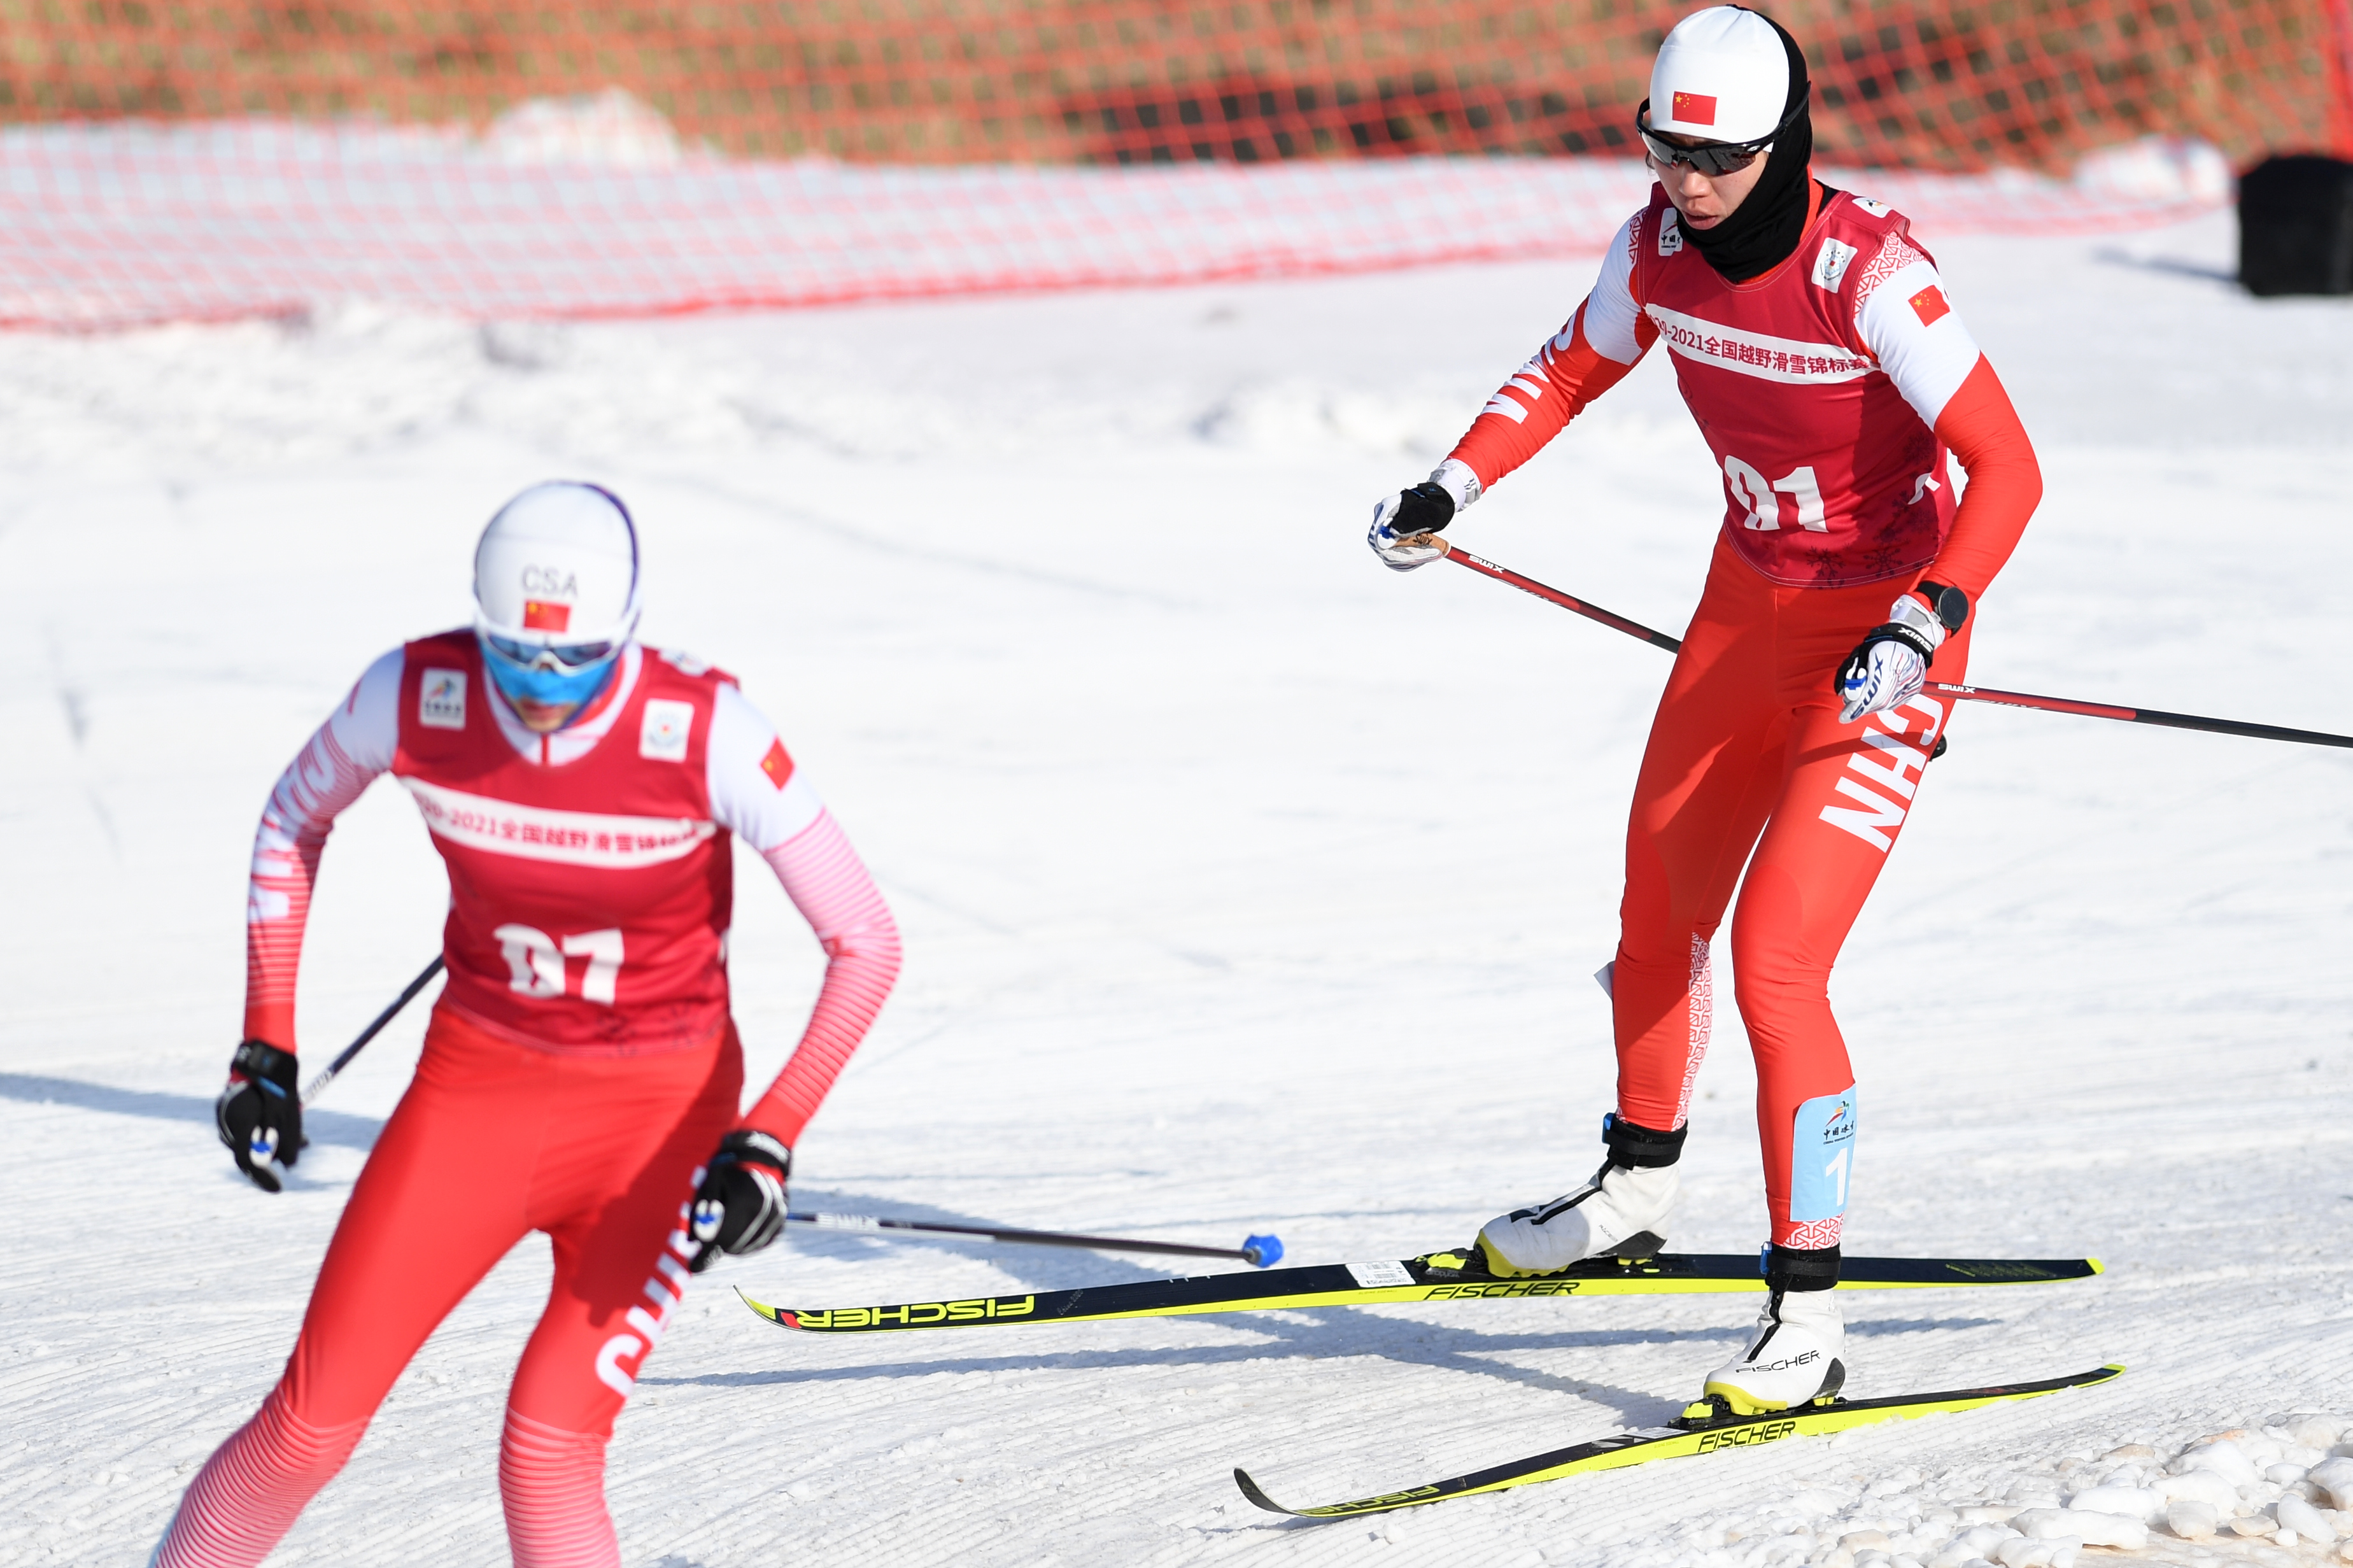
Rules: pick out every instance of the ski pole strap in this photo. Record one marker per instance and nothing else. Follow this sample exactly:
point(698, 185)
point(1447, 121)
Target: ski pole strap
point(1972, 693)
point(424, 978)
point(1258, 1250)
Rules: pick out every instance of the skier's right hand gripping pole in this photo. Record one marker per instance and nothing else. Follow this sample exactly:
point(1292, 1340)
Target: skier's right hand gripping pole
point(260, 1113)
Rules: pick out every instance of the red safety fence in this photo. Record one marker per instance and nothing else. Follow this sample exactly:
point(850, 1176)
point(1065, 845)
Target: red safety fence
point(116, 226)
point(163, 159)
point(1959, 85)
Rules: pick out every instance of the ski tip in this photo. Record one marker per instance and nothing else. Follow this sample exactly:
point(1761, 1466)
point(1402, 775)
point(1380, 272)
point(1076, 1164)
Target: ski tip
point(2098, 1267)
point(1250, 1490)
point(1264, 1252)
point(776, 1315)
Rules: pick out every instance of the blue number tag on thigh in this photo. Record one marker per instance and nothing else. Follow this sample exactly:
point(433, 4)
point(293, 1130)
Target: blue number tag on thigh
point(1822, 1156)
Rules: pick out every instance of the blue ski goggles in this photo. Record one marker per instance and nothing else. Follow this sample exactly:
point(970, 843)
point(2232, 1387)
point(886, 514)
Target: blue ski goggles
point(548, 676)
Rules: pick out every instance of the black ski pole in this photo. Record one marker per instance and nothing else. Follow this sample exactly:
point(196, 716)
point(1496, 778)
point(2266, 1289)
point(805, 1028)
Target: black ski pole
point(1264, 1251)
point(2008, 699)
point(310, 1091)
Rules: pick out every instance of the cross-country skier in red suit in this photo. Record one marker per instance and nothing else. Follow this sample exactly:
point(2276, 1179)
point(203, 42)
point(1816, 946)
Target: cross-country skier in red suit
point(581, 1074)
point(1821, 355)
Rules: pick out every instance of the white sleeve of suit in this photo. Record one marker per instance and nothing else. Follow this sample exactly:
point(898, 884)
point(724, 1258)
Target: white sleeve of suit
point(1609, 312)
point(1904, 317)
point(742, 762)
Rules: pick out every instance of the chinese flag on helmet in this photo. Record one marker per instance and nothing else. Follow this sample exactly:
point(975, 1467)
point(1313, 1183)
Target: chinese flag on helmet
point(1694, 108)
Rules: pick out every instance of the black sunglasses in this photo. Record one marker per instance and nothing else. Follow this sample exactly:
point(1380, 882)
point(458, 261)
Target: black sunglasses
point(1712, 158)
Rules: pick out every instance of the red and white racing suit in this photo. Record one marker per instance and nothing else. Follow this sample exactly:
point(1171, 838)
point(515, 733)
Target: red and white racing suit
point(579, 1064)
point(1831, 391)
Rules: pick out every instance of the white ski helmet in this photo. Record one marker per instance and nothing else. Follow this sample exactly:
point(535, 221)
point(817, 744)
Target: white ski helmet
point(557, 567)
point(1722, 75)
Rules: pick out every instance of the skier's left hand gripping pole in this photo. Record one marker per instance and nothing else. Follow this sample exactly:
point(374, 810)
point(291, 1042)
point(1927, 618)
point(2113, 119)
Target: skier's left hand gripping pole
point(1262, 1251)
point(1486, 568)
point(424, 978)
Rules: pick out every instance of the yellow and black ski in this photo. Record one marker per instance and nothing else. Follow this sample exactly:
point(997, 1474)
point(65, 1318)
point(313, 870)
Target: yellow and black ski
point(1437, 1276)
point(1693, 1436)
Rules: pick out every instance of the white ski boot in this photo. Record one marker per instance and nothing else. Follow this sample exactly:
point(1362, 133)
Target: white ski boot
point(1796, 1356)
point(1622, 1213)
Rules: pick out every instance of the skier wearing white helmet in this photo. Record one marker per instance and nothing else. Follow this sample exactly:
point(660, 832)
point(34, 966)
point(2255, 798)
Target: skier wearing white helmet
point(1818, 347)
point(581, 1074)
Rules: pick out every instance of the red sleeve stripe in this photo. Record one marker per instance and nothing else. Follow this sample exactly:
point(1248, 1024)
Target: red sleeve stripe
point(314, 791)
point(1538, 403)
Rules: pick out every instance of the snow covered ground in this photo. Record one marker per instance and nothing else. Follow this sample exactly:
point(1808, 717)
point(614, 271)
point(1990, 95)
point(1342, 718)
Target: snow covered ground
point(1246, 885)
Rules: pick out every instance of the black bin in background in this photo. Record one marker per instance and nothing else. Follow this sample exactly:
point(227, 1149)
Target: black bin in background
point(2296, 226)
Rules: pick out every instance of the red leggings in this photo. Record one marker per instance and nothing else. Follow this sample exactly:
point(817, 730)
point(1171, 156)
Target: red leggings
point(493, 1140)
point(1747, 754)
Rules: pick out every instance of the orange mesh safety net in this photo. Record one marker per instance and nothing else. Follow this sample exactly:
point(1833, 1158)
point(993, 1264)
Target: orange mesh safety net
point(1959, 85)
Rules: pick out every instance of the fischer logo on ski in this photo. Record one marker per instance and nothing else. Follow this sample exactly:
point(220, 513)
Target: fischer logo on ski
point(1747, 1438)
point(1502, 1287)
point(912, 1315)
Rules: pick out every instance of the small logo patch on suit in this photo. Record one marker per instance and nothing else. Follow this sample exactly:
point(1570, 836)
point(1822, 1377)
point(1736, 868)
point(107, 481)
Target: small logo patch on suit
point(1670, 234)
point(1693, 109)
point(1876, 208)
point(441, 700)
point(664, 735)
point(1929, 305)
point(1830, 265)
point(778, 764)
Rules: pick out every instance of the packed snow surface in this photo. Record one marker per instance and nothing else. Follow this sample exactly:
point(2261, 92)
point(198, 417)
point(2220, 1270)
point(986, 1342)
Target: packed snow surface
point(1247, 887)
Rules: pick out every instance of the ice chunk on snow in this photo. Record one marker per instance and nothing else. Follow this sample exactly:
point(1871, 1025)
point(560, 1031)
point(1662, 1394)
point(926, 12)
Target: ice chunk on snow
point(2088, 1527)
point(1981, 1541)
point(2335, 1478)
point(2027, 1552)
point(2225, 1459)
point(2201, 1486)
point(2295, 1513)
point(2319, 1432)
point(2132, 1503)
point(2192, 1520)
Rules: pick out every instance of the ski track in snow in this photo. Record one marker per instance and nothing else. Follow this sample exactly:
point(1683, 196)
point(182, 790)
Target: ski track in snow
point(1246, 887)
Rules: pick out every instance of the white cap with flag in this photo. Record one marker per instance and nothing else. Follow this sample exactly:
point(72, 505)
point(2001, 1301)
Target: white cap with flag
point(1722, 76)
point(558, 566)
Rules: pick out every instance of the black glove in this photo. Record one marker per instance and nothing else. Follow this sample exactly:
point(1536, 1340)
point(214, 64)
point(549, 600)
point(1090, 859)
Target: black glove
point(740, 1207)
point(260, 1113)
point(1425, 509)
point(1409, 514)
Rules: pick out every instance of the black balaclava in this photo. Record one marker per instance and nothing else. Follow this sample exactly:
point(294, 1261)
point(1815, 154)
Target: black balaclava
point(1764, 230)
